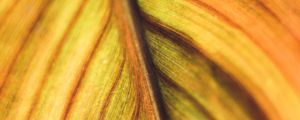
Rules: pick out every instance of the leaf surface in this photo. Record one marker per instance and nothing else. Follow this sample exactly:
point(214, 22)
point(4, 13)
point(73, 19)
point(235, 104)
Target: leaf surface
point(149, 59)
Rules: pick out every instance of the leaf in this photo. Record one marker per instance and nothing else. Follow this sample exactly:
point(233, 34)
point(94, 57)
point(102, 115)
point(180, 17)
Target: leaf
point(231, 49)
point(149, 59)
point(60, 62)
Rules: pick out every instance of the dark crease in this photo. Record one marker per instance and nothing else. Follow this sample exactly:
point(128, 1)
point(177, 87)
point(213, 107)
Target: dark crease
point(169, 82)
point(238, 93)
point(55, 55)
point(86, 65)
point(228, 82)
point(153, 87)
point(179, 38)
point(155, 22)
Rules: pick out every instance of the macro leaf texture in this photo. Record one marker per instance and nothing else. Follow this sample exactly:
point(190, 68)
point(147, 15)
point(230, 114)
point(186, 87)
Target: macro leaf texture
point(149, 59)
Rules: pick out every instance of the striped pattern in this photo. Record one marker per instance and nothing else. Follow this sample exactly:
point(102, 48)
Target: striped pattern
point(149, 59)
point(247, 39)
point(184, 71)
point(66, 59)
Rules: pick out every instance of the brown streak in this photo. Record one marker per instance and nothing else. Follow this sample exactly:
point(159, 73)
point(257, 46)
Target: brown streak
point(277, 18)
point(168, 81)
point(180, 39)
point(136, 112)
point(17, 56)
point(250, 36)
point(236, 90)
point(23, 43)
point(55, 55)
point(108, 98)
point(233, 24)
point(138, 98)
point(85, 67)
point(140, 67)
point(223, 17)
point(124, 46)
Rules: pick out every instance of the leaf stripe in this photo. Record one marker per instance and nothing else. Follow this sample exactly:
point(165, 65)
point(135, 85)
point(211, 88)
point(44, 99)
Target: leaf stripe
point(55, 55)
